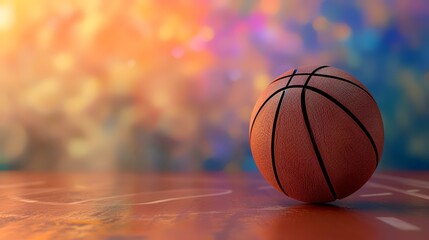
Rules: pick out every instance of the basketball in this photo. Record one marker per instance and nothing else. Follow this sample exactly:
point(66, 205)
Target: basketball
point(316, 134)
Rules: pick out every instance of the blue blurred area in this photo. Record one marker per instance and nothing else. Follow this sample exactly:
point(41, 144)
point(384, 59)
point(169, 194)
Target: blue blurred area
point(382, 43)
point(170, 85)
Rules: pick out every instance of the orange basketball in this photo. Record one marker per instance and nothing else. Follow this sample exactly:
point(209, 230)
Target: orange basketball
point(316, 134)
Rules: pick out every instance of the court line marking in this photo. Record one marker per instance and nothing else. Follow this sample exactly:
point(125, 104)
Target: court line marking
point(225, 192)
point(272, 208)
point(407, 181)
point(413, 190)
point(233, 211)
point(39, 191)
point(12, 216)
point(376, 194)
point(398, 223)
point(22, 184)
point(220, 193)
point(47, 190)
point(414, 194)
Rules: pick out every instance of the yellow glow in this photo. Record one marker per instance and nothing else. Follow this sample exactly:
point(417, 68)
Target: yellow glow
point(376, 12)
point(207, 33)
point(43, 97)
point(84, 97)
point(78, 147)
point(13, 140)
point(320, 23)
point(88, 27)
point(160, 99)
point(269, 6)
point(245, 113)
point(44, 37)
point(63, 62)
point(170, 29)
point(7, 17)
point(342, 31)
point(261, 81)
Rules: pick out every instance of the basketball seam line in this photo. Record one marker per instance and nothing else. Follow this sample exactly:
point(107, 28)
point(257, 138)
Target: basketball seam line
point(266, 101)
point(351, 115)
point(306, 74)
point(312, 138)
point(335, 101)
point(326, 76)
point(273, 162)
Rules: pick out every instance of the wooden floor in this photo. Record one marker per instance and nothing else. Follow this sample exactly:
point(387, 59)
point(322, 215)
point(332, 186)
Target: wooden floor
point(205, 206)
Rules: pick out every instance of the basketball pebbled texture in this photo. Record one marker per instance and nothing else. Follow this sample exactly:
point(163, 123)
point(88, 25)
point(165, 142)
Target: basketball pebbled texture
point(316, 134)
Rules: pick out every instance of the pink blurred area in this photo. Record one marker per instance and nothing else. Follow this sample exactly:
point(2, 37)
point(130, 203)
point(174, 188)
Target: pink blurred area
point(119, 84)
point(167, 85)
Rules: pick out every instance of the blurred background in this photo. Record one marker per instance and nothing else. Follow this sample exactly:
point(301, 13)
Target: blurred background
point(170, 85)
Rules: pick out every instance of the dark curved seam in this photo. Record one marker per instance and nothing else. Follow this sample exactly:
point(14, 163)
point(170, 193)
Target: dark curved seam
point(326, 76)
point(336, 102)
point(290, 79)
point(266, 100)
point(273, 162)
point(351, 115)
point(306, 74)
point(312, 138)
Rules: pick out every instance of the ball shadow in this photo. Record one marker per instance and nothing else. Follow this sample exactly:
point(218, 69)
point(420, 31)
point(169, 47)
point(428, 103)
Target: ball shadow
point(321, 221)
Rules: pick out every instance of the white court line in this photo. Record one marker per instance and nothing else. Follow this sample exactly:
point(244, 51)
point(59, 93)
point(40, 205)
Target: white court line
point(39, 191)
point(413, 190)
point(22, 184)
point(16, 198)
point(273, 208)
point(376, 194)
point(399, 224)
point(233, 211)
point(265, 187)
point(414, 194)
point(407, 181)
point(12, 216)
point(220, 193)
point(225, 192)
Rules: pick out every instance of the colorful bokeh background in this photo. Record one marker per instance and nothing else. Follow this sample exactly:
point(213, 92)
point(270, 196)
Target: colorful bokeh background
point(170, 85)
